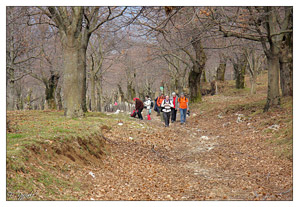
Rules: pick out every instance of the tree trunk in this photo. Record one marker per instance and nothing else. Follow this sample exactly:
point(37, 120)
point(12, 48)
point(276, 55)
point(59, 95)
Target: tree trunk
point(253, 84)
point(99, 95)
point(83, 60)
point(239, 65)
point(221, 72)
point(240, 79)
point(196, 72)
point(204, 77)
point(286, 66)
point(92, 91)
point(273, 97)
point(274, 54)
point(73, 77)
point(121, 93)
point(28, 105)
point(286, 78)
point(58, 98)
point(213, 87)
point(194, 85)
point(130, 90)
point(51, 86)
point(19, 101)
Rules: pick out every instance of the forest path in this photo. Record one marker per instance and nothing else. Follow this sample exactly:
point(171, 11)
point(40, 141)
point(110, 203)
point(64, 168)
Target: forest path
point(214, 156)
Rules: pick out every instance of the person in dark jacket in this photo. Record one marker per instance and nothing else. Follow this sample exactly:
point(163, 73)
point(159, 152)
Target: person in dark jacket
point(139, 107)
point(174, 98)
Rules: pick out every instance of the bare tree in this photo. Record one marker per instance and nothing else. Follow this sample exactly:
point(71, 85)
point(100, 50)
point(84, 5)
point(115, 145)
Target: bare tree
point(267, 25)
point(255, 62)
point(75, 26)
point(239, 65)
point(220, 72)
point(20, 53)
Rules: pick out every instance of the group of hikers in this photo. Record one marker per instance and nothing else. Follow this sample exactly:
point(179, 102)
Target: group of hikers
point(165, 106)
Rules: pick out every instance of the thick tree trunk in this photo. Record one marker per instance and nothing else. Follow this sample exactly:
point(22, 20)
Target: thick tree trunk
point(253, 84)
point(73, 83)
point(213, 87)
point(286, 78)
point(130, 90)
point(51, 86)
point(221, 72)
point(273, 98)
point(194, 85)
point(286, 67)
point(240, 79)
point(239, 65)
point(195, 74)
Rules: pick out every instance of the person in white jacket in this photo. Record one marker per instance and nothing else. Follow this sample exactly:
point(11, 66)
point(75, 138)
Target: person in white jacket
point(166, 105)
point(147, 105)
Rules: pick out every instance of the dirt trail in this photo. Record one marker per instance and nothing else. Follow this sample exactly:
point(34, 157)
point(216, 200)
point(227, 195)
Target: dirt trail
point(212, 157)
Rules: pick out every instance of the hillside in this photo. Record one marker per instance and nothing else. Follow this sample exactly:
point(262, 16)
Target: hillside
point(228, 150)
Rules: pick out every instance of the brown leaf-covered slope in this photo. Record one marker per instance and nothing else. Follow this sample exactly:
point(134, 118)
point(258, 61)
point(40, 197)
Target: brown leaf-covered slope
point(212, 157)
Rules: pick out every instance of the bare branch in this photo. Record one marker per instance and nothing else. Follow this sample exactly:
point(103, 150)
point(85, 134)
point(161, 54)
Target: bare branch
point(107, 19)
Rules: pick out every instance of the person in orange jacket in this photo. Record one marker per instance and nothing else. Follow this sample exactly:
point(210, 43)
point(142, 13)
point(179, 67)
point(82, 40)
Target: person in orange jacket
point(183, 105)
point(159, 103)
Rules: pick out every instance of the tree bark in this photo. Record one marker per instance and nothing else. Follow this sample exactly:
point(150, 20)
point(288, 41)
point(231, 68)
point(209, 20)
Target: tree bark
point(239, 65)
point(286, 66)
point(273, 54)
point(51, 86)
point(58, 98)
point(196, 72)
point(73, 84)
point(221, 72)
point(240, 79)
point(204, 76)
point(273, 97)
point(93, 92)
point(194, 85)
point(253, 84)
point(286, 78)
point(82, 51)
point(99, 94)
point(121, 93)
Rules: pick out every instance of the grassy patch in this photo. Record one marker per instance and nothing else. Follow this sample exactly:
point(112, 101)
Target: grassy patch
point(44, 137)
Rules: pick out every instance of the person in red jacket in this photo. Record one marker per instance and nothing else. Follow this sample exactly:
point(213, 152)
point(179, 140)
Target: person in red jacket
point(139, 107)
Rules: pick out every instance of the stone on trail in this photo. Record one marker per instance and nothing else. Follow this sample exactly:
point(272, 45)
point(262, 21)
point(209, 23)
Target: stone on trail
point(92, 174)
point(220, 116)
point(240, 118)
point(131, 138)
point(226, 124)
point(204, 137)
point(274, 127)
